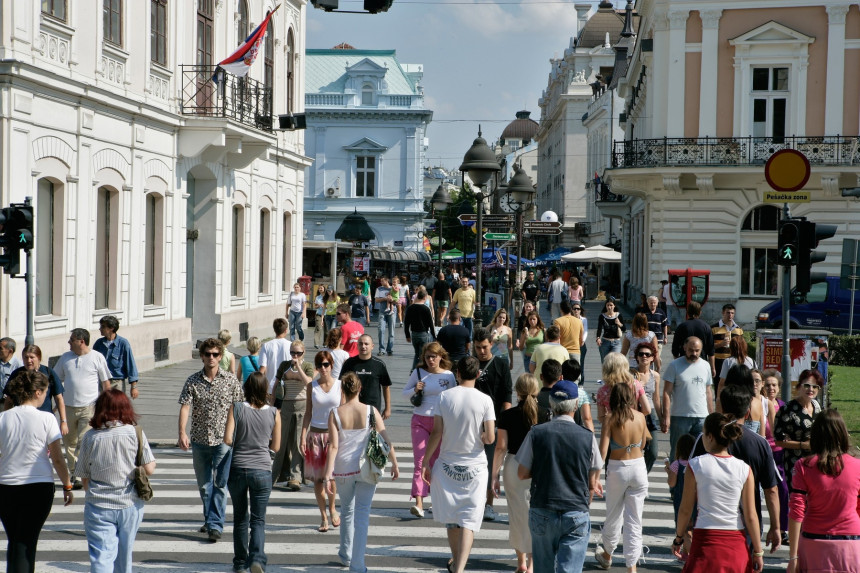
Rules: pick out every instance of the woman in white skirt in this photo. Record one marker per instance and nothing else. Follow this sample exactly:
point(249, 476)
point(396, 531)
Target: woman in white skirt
point(463, 423)
point(514, 424)
point(623, 438)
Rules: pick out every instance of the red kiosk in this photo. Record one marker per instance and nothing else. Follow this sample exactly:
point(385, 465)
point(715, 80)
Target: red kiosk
point(688, 285)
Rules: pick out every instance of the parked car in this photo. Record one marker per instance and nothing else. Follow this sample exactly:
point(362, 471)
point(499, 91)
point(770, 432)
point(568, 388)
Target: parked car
point(825, 307)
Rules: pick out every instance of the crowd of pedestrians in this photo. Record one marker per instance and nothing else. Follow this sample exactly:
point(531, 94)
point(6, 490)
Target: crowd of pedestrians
point(279, 417)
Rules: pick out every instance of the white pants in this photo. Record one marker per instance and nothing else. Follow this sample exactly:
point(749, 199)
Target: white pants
point(518, 496)
point(626, 488)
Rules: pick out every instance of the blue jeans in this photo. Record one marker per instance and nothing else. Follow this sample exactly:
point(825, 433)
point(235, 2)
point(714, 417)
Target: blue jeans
point(559, 540)
point(110, 536)
point(386, 331)
point(255, 484)
point(608, 345)
point(469, 325)
point(582, 351)
point(419, 339)
point(296, 325)
point(680, 425)
point(212, 467)
point(330, 322)
point(355, 499)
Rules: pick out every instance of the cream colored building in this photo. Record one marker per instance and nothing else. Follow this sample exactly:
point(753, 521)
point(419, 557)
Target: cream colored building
point(710, 93)
point(160, 197)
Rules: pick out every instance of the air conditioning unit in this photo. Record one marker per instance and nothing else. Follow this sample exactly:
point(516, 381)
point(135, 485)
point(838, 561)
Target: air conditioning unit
point(582, 229)
point(332, 192)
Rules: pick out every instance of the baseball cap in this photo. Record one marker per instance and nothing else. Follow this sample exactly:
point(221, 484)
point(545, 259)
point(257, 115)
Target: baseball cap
point(565, 390)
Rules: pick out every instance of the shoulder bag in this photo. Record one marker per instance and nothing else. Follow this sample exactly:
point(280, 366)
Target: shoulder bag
point(375, 454)
point(418, 396)
point(141, 480)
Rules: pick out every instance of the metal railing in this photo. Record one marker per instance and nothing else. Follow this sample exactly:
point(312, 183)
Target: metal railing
point(244, 100)
point(603, 193)
point(682, 151)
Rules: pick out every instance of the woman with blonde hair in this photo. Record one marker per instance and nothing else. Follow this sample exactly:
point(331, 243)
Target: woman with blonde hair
point(228, 360)
point(616, 370)
point(431, 377)
point(502, 337)
point(251, 363)
point(514, 424)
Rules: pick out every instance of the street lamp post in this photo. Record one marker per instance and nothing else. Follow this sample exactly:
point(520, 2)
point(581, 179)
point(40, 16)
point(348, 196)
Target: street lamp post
point(480, 164)
point(521, 190)
point(441, 200)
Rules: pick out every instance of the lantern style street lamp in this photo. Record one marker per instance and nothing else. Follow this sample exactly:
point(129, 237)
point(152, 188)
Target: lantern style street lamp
point(440, 201)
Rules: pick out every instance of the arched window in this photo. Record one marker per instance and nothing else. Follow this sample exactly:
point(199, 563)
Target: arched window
point(291, 66)
point(48, 247)
point(242, 22)
point(760, 276)
point(367, 94)
point(265, 233)
point(286, 263)
point(237, 252)
point(153, 250)
point(269, 57)
point(107, 244)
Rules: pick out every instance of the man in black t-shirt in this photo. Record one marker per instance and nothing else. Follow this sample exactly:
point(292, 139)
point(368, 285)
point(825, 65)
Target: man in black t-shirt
point(375, 382)
point(454, 338)
point(494, 381)
point(441, 298)
point(359, 311)
point(756, 452)
point(531, 290)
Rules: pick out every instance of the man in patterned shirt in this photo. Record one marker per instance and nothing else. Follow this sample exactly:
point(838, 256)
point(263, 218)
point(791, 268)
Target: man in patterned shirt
point(207, 396)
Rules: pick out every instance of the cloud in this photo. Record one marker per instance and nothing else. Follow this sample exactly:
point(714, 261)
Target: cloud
point(524, 19)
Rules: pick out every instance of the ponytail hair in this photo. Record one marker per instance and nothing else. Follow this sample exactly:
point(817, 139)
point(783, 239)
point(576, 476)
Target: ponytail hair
point(527, 391)
point(722, 429)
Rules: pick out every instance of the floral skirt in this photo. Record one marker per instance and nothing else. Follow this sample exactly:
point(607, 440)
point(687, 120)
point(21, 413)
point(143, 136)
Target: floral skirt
point(315, 455)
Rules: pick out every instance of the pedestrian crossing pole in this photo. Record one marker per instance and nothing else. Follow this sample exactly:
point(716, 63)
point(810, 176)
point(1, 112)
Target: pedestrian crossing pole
point(28, 280)
point(786, 327)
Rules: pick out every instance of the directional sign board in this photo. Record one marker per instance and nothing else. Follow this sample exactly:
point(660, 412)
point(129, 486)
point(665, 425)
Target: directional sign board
point(532, 225)
point(500, 236)
point(550, 231)
point(490, 218)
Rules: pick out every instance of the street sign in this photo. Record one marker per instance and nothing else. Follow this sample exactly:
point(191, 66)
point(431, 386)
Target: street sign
point(500, 236)
point(489, 218)
point(549, 231)
point(787, 170)
point(786, 197)
point(530, 225)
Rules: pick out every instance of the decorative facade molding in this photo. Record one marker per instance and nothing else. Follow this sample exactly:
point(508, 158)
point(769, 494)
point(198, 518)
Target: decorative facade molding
point(836, 13)
point(711, 18)
point(112, 159)
point(672, 183)
point(52, 146)
point(705, 182)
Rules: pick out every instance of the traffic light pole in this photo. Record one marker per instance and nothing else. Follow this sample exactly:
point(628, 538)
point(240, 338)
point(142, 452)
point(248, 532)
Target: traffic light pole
point(28, 279)
point(786, 302)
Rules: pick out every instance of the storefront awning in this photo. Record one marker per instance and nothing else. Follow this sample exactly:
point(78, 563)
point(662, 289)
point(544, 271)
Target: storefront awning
point(396, 255)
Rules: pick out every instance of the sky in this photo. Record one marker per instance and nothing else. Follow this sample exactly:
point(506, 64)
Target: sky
point(483, 60)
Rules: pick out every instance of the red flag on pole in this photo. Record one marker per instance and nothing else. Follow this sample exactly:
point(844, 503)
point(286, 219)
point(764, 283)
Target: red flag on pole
point(239, 62)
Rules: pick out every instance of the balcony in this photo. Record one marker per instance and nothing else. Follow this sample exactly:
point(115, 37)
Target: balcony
point(243, 100)
point(229, 122)
point(608, 203)
point(731, 151)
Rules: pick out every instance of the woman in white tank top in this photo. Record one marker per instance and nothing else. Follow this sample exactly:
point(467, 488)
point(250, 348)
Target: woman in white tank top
point(348, 426)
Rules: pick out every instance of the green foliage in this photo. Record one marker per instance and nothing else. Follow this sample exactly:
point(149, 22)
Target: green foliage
point(844, 387)
point(844, 350)
point(462, 201)
point(752, 344)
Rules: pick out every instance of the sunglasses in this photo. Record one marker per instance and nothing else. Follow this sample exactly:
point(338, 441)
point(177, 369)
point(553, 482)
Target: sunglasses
point(576, 308)
point(644, 354)
point(296, 353)
point(325, 364)
point(808, 386)
point(212, 354)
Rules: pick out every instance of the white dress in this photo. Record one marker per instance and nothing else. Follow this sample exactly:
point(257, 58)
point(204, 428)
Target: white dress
point(458, 484)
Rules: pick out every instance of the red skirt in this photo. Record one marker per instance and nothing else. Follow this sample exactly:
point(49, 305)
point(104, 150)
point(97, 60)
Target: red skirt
point(718, 551)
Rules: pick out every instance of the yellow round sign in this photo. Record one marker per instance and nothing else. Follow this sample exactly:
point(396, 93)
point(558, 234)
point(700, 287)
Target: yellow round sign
point(787, 170)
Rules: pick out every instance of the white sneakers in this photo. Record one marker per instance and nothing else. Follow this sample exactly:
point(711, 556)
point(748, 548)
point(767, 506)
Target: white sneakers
point(416, 511)
point(489, 513)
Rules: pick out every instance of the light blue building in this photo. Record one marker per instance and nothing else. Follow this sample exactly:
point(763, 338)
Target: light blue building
point(365, 132)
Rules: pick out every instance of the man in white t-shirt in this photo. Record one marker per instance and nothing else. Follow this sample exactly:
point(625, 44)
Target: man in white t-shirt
point(297, 304)
point(555, 294)
point(273, 353)
point(688, 394)
point(84, 374)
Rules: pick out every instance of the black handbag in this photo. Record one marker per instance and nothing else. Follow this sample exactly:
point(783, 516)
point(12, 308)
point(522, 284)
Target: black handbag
point(418, 396)
point(141, 480)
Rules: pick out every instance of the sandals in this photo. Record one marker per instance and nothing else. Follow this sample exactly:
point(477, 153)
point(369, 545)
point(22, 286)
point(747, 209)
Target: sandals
point(449, 565)
point(324, 527)
point(335, 520)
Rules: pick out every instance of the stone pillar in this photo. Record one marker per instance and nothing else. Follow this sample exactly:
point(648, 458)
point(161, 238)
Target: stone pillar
point(677, 66)
point(707, 93)
point(835, 94)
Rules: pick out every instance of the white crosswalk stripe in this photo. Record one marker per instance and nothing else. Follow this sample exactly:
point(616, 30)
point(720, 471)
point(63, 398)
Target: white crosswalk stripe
point(168, 540)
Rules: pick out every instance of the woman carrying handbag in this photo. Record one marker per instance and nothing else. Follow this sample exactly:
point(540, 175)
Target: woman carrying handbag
point(348, 427)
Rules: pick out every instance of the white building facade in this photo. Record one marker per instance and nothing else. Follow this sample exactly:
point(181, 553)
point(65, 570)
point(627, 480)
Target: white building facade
point(160, 197)
point(710, 94)
point(366, 124)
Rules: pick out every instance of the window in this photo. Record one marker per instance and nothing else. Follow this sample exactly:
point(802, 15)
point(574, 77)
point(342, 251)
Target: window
point(237, 251)
point(367, 94)
point(265, 232)
point(769, 102)
point(107, 233)
point(113, 21)
point(205, 15)
point(365, 176)
point(158, 32)
point(47, 236)
point(285, 279)
point(291, 66)
point(154, 252)
point(54, 9)
point(242, 22)
point(760, 274)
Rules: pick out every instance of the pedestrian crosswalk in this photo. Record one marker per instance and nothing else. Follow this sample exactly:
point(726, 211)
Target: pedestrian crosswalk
point(168, 540)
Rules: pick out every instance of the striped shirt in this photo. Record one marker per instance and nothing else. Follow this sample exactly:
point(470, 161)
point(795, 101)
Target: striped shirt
point(106, 458)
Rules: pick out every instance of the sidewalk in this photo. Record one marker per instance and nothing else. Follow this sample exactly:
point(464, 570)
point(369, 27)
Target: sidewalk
point(158, 405)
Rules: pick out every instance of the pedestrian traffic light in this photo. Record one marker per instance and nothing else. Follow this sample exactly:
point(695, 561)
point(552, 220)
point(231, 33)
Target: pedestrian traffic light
point(376, 6)
point(16, 233)
point(810, 235)
point(789, 242)
point(327, 5)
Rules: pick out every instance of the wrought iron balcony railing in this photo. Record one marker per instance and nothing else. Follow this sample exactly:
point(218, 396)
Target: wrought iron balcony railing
point(730, 151)
point(603, 193)
point(244, 100)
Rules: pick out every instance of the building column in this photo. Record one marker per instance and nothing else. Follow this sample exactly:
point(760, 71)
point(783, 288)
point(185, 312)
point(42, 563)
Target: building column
point(658, 90)
point(677, 57)
point(835, 94)
point(708, 71)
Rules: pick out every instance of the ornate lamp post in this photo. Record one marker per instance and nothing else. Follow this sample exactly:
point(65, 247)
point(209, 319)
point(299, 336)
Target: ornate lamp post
point(480, 165)
point(355, 230)
point(440, 202)
point(520, 190)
